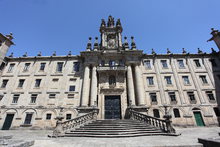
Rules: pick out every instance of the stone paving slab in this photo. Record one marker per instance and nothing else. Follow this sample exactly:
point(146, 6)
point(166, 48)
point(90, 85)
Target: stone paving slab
point(189, 138)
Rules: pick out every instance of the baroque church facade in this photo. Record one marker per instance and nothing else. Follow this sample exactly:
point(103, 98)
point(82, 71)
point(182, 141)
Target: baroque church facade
point(111, 75)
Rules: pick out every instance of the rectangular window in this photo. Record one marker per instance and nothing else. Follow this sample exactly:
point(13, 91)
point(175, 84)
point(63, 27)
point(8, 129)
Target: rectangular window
point(59, 66)
point(68, 116)
point(197, 63)
point(48, 116)
point(52, 96)
point(153, 97)
point(21, 83)
point(168, 80)
point(73, 79)
point(102, 63)
point(186, 80)
point(210, 95)
point(72, 88)
point(11, 67)
point(33, 98)
point(37, 83)
point(150, 80)
point(172, 96)
point(26, 66)
point(15, 98)
point(76, 66)
point(191, 96)
point(70, 96)
point(164, 63)
point(213, 62)
point(55, 80)
point(28, 118)
point(203, 79)
point(181, 63)
point(4, 83)
point(147, 64)
point(42, 66)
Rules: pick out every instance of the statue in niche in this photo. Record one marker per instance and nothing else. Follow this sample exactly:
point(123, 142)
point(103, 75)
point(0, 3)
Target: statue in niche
point(111, 41)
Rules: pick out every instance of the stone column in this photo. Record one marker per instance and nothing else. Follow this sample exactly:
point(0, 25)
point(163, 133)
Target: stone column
point(93, 87)
point(86, 87)
point(131, 96)
point(139, 87)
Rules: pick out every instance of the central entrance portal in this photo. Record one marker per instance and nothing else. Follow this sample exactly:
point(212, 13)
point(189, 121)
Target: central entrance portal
point(112, 107)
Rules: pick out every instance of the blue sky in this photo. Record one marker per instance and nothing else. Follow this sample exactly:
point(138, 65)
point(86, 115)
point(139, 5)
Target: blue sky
point(64, 25)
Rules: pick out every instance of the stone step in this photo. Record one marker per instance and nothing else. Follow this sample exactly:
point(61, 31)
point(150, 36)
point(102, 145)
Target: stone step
point(106, 129)
point(112, 127)
point(119, 130)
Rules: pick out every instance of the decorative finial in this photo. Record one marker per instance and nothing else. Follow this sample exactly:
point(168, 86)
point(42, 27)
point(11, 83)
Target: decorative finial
point(103, 23)
point(89, 44)
point(69, 53)
point(25, 54)
point(213, 51)
point(168, 51)
point(133, 44)
point(212, 29)
point(153, 52)
point(126, 45)
point(184, 51)
point(111, 21)
point(200, 51)
point(96, 44)
point(118, 23)
point(10, 36)
point(11, 55)
point(54, 53)
point(39, 54)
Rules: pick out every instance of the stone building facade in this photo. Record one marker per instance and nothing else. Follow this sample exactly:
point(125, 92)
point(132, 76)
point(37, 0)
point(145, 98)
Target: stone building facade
point(110, 75)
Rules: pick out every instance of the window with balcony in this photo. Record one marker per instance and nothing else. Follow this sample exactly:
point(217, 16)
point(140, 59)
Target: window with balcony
point(4, 83)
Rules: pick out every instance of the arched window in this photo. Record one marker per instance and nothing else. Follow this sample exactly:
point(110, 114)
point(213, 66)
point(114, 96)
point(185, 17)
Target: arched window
point(112, 80)
point(176, 113)
point(156, 113)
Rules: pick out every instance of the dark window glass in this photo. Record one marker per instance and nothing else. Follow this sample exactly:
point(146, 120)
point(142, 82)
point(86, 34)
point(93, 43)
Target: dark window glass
point(172, 96)
point(72, 88)
point(156, 113)
point(153, 97)
point(52, 96)
point(111, 63)
point(11, 67)
point(197, 63)
point(26, 66)
point(186, 80)
point(164, 63)
point(204, 80)
point(176, 113)
point(59, 66)
point(168, 80)
point(28, 118)
point(191, 96)
point(112, 80)
point(213, 62)
point(147, 64)
point(217, 112)
point(33, 98)
point(42, 66)
point(4, 83)
point(210, 95)
point(37, 83)
point(21, 83)
point(103, 63)
point(48, 116)
point(181, 63)
point(150, 80)
point(68, 116)
point(15, 98)
point(76, 66)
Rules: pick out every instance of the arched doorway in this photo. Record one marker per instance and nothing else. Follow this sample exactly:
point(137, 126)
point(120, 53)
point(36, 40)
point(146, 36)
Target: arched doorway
point(198, 117)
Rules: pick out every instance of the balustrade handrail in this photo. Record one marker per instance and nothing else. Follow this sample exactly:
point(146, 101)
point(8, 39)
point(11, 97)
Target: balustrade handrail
point(164, 125)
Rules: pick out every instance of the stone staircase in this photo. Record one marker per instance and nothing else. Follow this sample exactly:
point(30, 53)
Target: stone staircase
point(115, 128)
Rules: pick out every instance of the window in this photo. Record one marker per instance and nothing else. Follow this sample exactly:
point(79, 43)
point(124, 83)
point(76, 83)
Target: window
point(164, 63)
point(214, 64)
point(4, 83)
point(103, 63)
point(147, 64)
point(121, 63)
point(112, 80)
point(68, 116)
point(55, 80)
point(191, 96)
point(181, 63)
point(176, 113)
point(111, 63)
point(217, 112)
point(210, 95)
point(15, 98)
point(52, 96)
point(156, 113)
point(70, 96)
point(42, 66)
point(59, 66)
point(37, 83)
point(150, 81)
point(153, 97)
point(76, 66)
point(26, 66)
point(197, 63)
point(168, 80)
point(21, 83)
point(33, 98)
point(48, 116)
point(11, 67)
point(28, 118)
point(72, 79)
point(204, 80)
point(72, 88)
point(186, 80)
point(172, 96)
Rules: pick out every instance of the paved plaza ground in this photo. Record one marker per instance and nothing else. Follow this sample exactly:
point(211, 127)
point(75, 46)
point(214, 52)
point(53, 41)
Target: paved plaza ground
point(188, 137)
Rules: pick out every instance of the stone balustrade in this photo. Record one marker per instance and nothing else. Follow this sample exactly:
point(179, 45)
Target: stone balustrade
point(106, 68)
